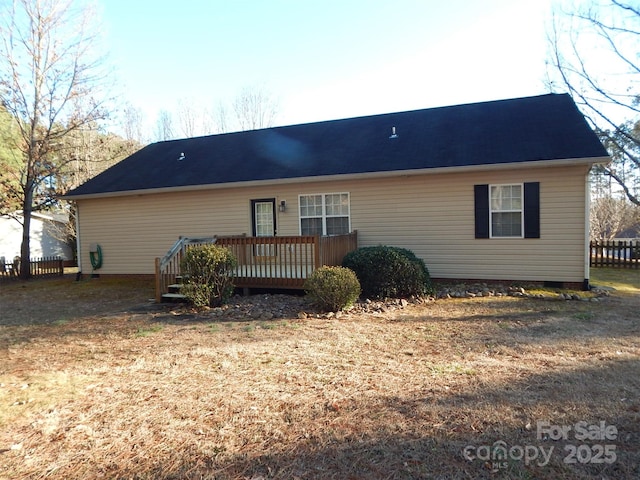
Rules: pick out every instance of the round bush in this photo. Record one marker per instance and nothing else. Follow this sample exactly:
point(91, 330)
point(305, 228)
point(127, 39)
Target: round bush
point(208, 274)
point(333, 288)
point(386, 271)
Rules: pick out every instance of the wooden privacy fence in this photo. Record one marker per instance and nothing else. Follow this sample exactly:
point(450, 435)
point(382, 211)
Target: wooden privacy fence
point(39, 267)
point(334, 248)
point(614, 253)
point(263, 262)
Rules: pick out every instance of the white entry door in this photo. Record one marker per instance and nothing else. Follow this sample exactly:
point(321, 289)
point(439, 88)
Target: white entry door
point(264, 224)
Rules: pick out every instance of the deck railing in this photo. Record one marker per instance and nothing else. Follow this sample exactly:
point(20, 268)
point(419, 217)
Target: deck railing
point(264, 262)
point(275, 262)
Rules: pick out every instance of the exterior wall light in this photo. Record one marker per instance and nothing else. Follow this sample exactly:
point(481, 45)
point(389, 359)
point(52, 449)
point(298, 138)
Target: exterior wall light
point(283, 206)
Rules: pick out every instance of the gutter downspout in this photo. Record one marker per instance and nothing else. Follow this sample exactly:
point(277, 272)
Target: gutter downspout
point(78, 252)
point(587, 254)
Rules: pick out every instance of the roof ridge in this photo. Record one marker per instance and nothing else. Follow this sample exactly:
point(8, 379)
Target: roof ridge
point(496, 132)
point(373, 115)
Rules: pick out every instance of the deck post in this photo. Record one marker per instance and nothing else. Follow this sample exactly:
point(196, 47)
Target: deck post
point(158, 282)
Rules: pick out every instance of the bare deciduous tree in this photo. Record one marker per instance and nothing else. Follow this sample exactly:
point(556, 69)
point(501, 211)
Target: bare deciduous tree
point(89, 152)
point(188, 118)
point(594, 56)
point(50, 79)
point(254, 108)
point(610, 216)
point(164, 126)
point(221, 118)
point(194, 120)
point(10, 162)
point(132, 123)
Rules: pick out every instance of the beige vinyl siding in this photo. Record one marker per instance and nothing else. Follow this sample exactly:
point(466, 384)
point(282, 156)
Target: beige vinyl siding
point(433, 215)
point(438, 225)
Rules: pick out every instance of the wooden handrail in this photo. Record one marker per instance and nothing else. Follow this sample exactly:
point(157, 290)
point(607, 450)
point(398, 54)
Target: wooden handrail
point(180, 246)
point(167, 268)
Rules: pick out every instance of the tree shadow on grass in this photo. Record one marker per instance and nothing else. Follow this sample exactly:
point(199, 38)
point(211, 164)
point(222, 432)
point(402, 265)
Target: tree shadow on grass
point(426, 437)
point(541, 320)
point(81, 325)
point(526, 320)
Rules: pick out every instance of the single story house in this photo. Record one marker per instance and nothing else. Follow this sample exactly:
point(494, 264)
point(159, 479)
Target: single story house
point(494, 191)
point(45, 236)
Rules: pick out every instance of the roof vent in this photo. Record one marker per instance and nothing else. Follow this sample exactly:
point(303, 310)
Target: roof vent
point(181, 157)
point(393, 133)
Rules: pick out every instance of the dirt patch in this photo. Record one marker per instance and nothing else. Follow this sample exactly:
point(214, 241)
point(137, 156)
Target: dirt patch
point(121, 388)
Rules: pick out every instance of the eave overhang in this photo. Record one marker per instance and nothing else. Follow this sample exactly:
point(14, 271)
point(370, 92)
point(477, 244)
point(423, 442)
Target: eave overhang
point(351, 176)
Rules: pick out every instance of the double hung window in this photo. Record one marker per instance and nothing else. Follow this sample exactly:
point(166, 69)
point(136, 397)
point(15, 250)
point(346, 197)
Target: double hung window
point(506, 211)
point(324, 214)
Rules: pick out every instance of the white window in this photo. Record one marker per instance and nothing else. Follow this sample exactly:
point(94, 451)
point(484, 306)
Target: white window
point(506, 209)
point(324, 214)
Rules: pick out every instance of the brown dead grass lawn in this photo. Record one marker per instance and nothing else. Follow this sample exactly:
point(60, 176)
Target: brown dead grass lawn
point(146, 394)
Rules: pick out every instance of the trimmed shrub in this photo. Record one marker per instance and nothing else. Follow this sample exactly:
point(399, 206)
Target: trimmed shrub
point(208, 275)
point(333, 288)
point(386, 271)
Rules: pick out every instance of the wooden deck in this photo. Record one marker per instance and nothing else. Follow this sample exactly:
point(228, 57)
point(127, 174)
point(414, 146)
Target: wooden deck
point(263, 262)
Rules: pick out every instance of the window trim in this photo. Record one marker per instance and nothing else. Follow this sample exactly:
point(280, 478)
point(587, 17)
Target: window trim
point(521, 210)
point(324, 215)
point(531, 205)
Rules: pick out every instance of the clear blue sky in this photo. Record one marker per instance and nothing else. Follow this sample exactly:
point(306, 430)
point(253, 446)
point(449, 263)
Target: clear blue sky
point(327, 59)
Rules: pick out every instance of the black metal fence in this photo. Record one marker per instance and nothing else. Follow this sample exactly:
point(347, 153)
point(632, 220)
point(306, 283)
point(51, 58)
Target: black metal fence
point(39, 267)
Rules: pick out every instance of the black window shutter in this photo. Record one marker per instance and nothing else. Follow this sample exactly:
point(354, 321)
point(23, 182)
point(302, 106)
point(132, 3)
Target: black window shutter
point(481, 195)
point(532, 210)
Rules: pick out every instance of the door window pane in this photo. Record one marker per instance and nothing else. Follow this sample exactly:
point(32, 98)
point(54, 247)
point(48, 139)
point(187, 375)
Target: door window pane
point(264, 219)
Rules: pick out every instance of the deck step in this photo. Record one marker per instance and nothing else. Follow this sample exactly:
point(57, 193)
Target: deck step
point(173, 297)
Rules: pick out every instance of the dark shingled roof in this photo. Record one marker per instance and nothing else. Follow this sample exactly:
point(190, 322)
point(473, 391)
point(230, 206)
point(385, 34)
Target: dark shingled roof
point(546, 127)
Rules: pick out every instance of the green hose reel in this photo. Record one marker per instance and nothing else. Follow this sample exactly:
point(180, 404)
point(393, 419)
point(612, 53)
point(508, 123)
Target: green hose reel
point(95, 256)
